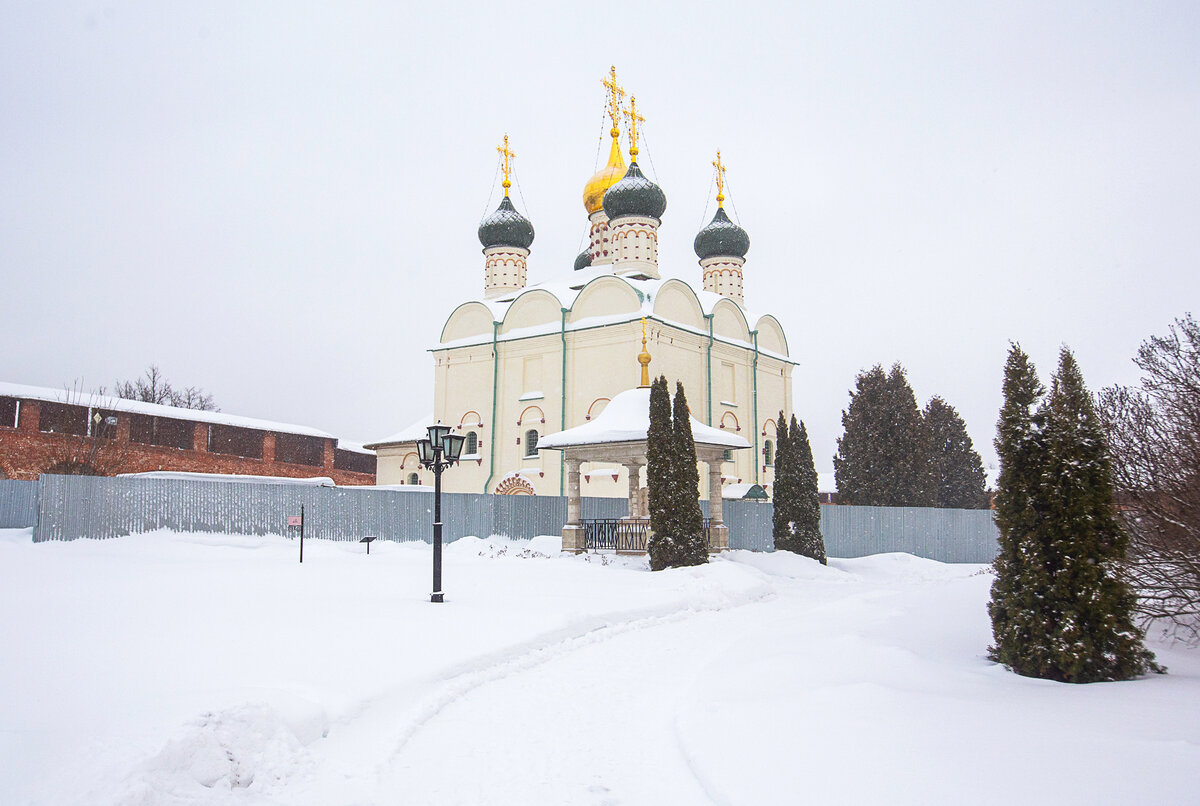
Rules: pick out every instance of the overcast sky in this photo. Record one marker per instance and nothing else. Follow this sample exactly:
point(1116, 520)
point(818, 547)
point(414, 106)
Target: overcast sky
point(278, 202)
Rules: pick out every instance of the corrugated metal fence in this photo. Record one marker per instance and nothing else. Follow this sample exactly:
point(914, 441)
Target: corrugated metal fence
point(69, 507)
point(948, 535)
point(18, 504)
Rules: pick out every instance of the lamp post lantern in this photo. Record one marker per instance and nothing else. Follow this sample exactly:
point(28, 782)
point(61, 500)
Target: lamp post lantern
point(438, 452)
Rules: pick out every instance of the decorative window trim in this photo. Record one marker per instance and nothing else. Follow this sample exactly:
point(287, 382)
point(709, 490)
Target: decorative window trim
point(541, 415)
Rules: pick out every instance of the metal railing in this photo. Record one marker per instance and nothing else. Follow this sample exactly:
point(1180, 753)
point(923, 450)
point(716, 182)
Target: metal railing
point(623, 534)
point(615, 534)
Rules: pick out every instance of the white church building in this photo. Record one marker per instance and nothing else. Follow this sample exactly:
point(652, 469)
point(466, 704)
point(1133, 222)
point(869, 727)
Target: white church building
point(523, 361)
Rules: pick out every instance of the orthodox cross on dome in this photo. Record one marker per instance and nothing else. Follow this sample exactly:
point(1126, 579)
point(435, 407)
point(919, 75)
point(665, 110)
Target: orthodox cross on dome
point(634, 119)
point(509, 156)
point(720, 179)
point(644, 359)
point(615, 94)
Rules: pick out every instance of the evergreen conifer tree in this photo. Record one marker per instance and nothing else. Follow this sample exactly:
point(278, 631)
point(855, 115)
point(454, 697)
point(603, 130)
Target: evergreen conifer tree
point(807, 528)
point(784, 491)
point(958, 477)
point(661, 479)
point(1094, 637)
point(1058, 609)
point(883, 458)
point(689, 519)
point(1017, 621)
point(796, 521)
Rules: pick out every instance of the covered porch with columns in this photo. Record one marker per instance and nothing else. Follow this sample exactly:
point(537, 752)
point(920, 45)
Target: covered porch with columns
point(618, 435)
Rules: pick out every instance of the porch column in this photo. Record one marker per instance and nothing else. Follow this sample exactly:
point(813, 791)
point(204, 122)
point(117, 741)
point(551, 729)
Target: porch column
point(634, 469)
point(718, 532)
point(573, 538)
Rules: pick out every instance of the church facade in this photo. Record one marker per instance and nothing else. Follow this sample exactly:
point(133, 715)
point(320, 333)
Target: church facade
point(523, 361)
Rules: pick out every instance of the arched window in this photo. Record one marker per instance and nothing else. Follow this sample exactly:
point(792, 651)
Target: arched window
point(531, 441)
point(413, 478)
point(472, 444)
point(727, 456)
point(768, 453)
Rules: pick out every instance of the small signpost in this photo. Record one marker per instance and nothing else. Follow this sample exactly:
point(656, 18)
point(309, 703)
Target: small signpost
point(368, 541)
point(295, 523)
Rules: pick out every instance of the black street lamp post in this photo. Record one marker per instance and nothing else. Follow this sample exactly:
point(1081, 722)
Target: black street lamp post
point(440, 451)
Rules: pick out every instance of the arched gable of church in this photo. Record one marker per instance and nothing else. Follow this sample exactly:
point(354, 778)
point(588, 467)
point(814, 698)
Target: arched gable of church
point(677, 302)
point(471, 319)
point(604, 296)
point(535, 307)
point(729, 323)
point(770, 335)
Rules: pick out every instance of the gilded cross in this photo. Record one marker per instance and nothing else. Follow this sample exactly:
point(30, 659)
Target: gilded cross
point(634, 119)
point(615, 94)
point(720, 180)
point(508, 157)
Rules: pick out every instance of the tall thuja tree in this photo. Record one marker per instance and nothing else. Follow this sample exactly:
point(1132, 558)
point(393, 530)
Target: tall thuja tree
point(785, 491)
point(957, 471)
point(1093, 636)
point(1058, 609)
point(689, 519)
point(882, 457)
point(1020, 625)
point(807, 524)
point(661, 480)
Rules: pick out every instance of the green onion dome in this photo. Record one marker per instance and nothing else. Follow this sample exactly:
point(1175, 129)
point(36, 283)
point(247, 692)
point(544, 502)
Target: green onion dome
point(583, 260)
point(506, 227)
point(634, 195)
point(721, 238)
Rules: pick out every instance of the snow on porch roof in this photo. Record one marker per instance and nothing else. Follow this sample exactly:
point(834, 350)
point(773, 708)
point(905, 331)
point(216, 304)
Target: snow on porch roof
point(627, 419)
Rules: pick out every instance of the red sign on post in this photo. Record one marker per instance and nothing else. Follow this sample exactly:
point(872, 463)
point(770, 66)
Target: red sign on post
point(293, 520)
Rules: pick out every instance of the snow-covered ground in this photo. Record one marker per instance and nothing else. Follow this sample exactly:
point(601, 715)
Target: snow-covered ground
point(181, 669)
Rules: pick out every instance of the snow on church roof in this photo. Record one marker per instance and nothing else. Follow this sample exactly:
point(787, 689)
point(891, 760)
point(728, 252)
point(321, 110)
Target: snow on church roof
point(626, 418)
point(412, 433)
point(567, 291)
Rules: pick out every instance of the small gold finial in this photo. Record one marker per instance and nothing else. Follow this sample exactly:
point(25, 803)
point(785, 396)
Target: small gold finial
point(508, 157)
point(644, 359)
point(615, 94)
point(634, 119)
point(720, 180)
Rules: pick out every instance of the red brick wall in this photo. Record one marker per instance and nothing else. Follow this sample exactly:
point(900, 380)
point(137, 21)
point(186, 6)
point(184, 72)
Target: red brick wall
point(26, 452)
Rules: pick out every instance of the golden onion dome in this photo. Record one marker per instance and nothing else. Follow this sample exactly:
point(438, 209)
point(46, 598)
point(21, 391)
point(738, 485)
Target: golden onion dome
point(606, 177)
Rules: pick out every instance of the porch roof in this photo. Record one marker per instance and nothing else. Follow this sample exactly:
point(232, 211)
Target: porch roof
point(627, 419)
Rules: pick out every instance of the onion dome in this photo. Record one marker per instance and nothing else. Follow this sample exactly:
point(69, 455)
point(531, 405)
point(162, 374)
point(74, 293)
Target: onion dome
point(506, 227)
point(583, 260)
point(606, 177)
point(721, 238)
point(634, 195)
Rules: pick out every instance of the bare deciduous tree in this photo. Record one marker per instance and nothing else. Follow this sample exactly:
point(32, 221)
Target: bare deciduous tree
point(152, 387)
point(1154, 431)
point(86, 441)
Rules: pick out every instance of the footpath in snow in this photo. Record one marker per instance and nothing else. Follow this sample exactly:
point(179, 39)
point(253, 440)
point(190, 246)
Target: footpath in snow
point(180, 669)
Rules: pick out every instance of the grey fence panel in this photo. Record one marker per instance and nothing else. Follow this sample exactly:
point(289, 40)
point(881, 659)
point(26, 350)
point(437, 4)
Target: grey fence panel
point(947, 535)
point(70, 507)
point(18, 504)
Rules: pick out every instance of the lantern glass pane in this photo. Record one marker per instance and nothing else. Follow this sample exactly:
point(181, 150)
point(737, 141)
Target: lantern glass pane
point(437, 433)
point(424, 450)
point(453, 444)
